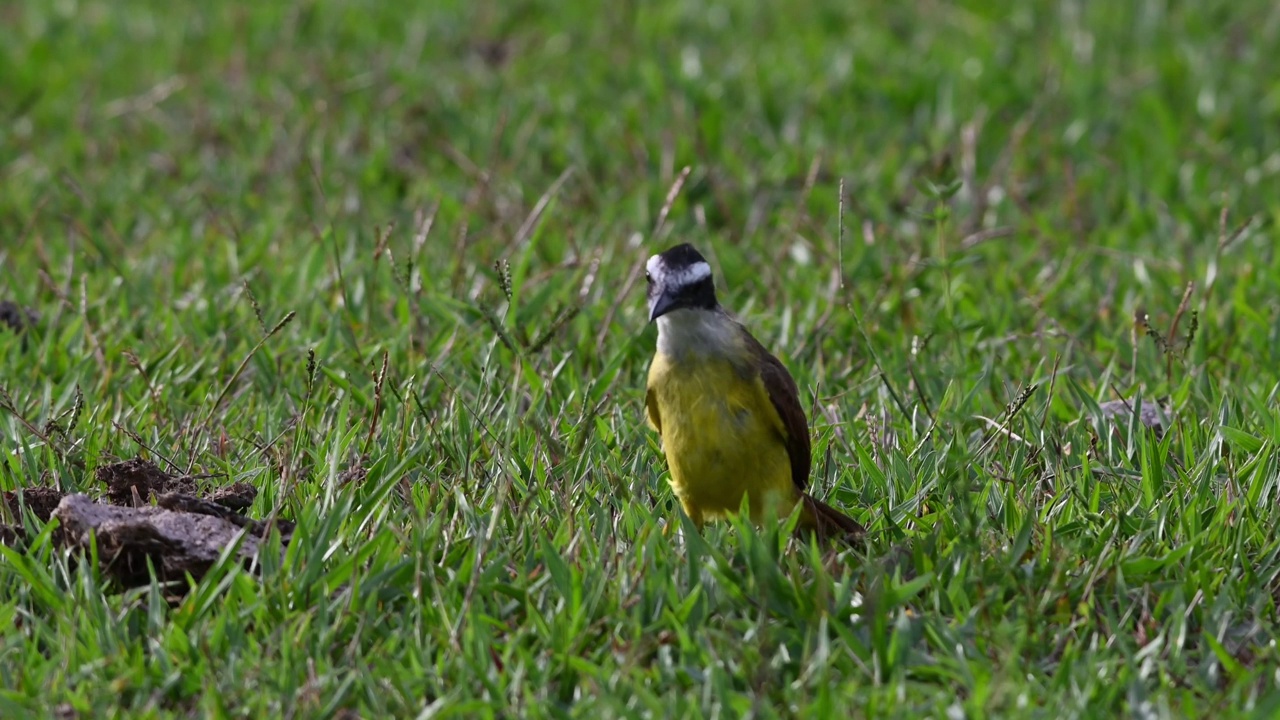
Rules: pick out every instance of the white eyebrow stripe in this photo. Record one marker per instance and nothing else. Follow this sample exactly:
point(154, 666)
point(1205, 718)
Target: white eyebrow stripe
point(665, 277)
point(695, 273)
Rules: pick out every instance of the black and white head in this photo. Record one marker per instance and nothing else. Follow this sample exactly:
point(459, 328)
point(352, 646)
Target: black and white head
point(679, 279)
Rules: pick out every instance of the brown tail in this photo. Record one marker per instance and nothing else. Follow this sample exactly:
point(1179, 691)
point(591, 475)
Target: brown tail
point(829, 523)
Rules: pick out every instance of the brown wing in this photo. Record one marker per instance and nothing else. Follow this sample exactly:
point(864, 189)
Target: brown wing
point(785, 397)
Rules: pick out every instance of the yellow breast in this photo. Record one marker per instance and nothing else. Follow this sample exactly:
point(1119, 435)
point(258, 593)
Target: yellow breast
point(721, 436)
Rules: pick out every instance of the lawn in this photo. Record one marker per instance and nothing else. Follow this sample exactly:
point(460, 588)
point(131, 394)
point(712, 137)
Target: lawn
point(383, 262)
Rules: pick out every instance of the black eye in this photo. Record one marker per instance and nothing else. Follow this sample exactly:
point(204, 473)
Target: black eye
point(648, 278)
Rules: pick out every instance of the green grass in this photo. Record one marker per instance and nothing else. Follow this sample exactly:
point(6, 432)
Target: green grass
point(1021, 179)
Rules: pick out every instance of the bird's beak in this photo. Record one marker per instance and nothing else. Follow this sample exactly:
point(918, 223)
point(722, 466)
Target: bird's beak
point(664, 304)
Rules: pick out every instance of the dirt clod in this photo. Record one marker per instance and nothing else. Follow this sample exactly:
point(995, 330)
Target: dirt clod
point(1150, 414)
point(175, 541)
point(142, 477)
point(15, 317)
point(236, 496)
point(11, 534)
point(181, 535)
point(40, 500)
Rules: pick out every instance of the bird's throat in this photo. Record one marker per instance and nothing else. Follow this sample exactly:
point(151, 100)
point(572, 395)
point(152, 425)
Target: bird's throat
point(698, 332)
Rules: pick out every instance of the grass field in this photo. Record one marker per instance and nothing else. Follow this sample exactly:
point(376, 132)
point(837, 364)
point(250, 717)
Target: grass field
point(1047, 206)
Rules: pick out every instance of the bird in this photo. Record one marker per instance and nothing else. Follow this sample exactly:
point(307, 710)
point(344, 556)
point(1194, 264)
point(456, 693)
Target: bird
point(726, 410)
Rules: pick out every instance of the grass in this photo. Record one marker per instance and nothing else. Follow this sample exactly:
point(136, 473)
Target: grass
point(450, 204)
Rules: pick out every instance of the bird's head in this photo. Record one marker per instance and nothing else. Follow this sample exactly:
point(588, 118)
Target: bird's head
point(679, 279)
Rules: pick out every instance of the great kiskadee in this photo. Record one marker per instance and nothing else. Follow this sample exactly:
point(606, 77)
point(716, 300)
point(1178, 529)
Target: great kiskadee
point(728, 412)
